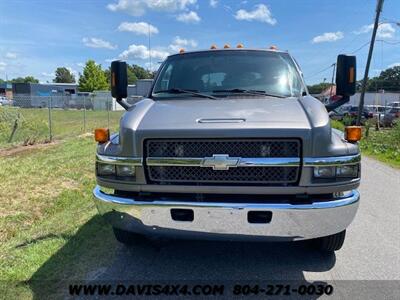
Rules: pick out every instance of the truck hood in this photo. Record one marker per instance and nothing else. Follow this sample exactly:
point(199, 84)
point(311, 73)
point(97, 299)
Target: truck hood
point(224, 113)
point(255, 117)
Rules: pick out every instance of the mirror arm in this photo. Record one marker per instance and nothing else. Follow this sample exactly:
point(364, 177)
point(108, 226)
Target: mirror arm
point(123, 103)
point(332, 106)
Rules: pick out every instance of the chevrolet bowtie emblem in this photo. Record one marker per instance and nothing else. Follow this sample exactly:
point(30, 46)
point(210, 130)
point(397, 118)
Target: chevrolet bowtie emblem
point(220, 162)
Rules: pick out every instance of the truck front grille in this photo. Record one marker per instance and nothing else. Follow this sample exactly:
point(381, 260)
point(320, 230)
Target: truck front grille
point(244, 148)
point(239, 148)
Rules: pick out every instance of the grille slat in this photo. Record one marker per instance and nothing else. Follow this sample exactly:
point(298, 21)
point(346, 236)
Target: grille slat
point(234, 148)
point(245, 148)
point(250, 175)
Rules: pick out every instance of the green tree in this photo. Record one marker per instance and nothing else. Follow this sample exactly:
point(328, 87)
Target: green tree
point(131, 75)
point(140, 72)
point(93, 78)
point(388, 80)
point(27, 79)
point(132, 78)
point(318, 88)
point(63, 75)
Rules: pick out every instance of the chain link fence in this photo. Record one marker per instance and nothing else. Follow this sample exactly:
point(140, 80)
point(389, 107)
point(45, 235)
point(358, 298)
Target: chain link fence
point(31, 119)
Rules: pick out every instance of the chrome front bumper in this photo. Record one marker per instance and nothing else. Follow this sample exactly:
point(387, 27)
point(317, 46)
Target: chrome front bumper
point(230, 220)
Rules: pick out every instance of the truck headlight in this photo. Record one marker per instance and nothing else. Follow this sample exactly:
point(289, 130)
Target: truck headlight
point(347, 171)
point(126, 170)
point(324, 172)
point(338, 171)
point(105, 169)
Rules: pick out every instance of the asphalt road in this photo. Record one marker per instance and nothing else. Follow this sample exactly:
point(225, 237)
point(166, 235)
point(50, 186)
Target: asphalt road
point(371, 250)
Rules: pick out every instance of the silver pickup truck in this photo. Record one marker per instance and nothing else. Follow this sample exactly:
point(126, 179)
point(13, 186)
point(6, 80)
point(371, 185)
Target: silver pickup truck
point(229, 145)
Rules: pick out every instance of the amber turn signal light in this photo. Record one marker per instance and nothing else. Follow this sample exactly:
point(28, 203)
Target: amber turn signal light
point(352, 133)
point(101, 135)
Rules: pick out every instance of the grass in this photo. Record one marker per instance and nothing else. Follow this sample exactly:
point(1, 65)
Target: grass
point(49, 227)
point(383, 145)
point(33, 124)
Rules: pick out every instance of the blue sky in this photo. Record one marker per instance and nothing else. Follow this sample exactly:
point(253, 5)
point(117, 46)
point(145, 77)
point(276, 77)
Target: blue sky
point(37, 36)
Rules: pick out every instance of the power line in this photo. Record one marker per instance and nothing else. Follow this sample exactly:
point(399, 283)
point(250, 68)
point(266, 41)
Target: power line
point(358, 49)
point(353, 52)
point(389, 42)
point(323, 70)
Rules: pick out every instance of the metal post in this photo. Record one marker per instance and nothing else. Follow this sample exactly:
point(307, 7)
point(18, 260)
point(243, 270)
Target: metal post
point(50, 125)
point(371, 49)
point(108, 111)
point(333, 78)
point(84, 114)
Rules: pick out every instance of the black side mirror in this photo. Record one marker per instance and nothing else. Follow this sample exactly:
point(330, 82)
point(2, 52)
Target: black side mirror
point(345, 80)
point(119, 82)
point(346, 75)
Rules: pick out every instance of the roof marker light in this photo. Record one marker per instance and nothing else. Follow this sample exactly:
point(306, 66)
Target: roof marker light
point(273, 47)
point(181, 50)
point(240, 45)
point(226, 46)
point(213, 46)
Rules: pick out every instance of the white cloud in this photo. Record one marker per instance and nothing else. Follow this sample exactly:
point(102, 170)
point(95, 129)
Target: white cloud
point(261, 13)
point(328, 37)
point(2, 65)
point(97, 43)
point(142, 52)
point(80, 64)
point(189, 17)
point(214, 3)
point(11, 55)
point(179, 43)
point(139, 7)
point(138, 28)
point(397, 64)
point(364, 29)
point(45, 74)
point(385, 30)
point(73, 71)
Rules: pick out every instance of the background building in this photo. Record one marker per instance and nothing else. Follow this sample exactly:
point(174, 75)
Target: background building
point(6, 90)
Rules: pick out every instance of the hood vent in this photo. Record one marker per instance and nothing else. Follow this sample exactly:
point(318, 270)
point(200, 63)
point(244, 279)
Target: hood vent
point(229, 120)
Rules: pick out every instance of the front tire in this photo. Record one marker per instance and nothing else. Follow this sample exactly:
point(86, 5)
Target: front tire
point(126, 237)
point(330, 243)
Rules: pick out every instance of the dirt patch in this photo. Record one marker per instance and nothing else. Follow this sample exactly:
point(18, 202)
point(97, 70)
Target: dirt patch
point(25, 149)
point(87, 134)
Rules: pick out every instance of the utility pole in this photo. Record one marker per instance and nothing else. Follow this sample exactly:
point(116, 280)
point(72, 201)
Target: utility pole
point(371, 49)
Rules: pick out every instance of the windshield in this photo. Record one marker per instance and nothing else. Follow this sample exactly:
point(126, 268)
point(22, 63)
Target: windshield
point(221, 73)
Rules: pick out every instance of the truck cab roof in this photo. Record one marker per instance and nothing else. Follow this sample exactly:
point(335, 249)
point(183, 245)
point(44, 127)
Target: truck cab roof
point(227, 49)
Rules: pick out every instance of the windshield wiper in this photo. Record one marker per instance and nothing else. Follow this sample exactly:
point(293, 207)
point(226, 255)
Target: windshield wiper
point(250, 92)
point(182, 91)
